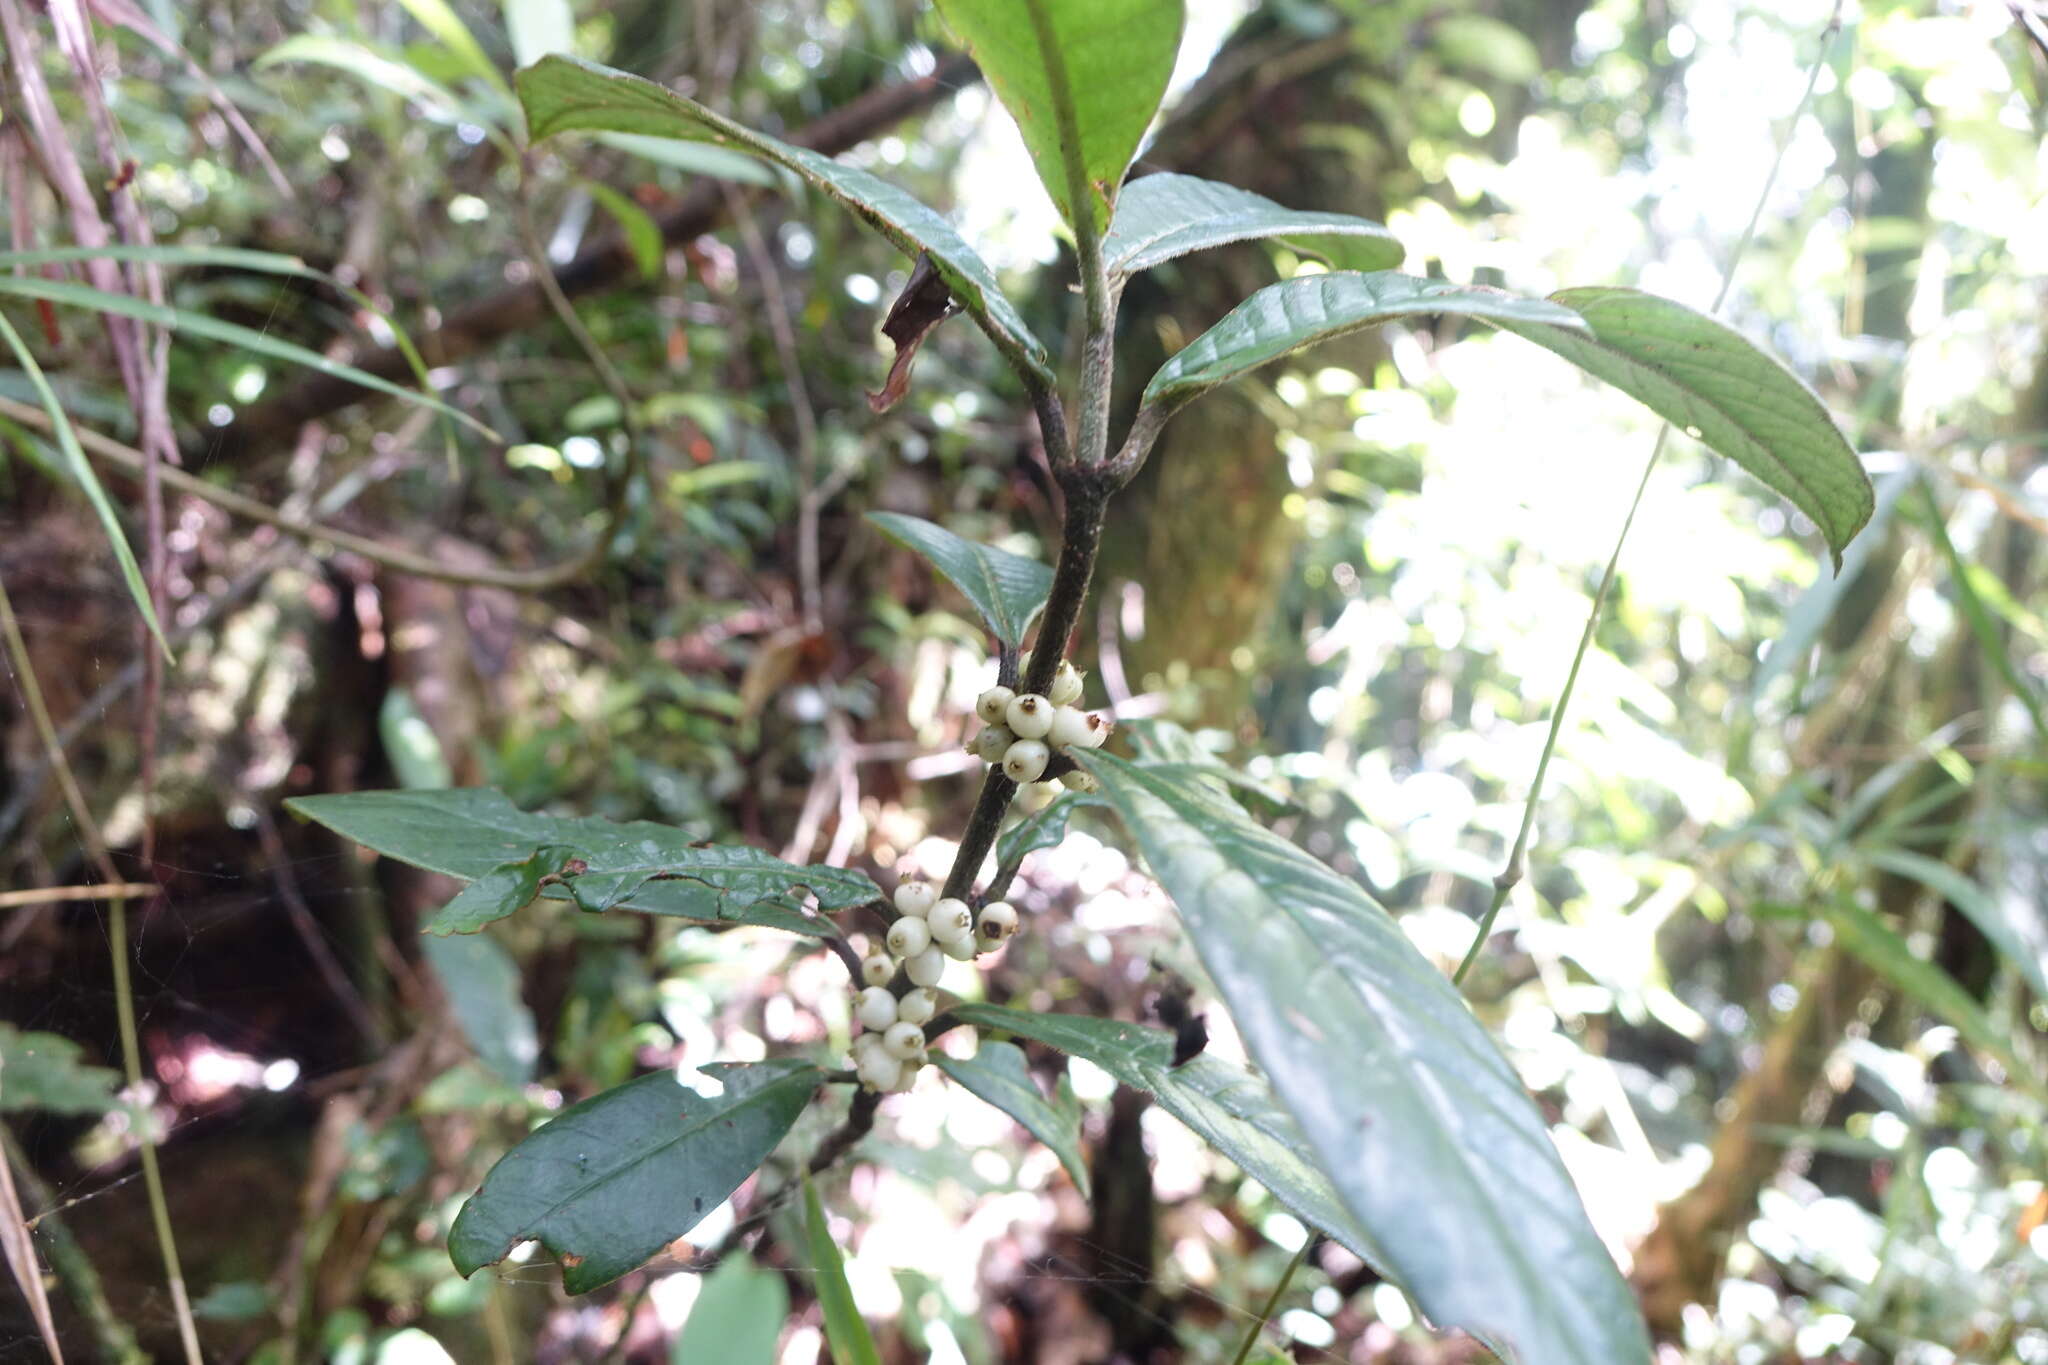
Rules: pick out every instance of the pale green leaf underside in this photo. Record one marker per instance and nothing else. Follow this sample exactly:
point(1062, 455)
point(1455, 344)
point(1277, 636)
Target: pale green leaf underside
point(1284, 317)
point(998, 1074)
point(1008, 590)
point(482, 983)
point(737, 1318)
point(1159, 217)
point(610, 1181)
point(1406, 1105)
point(1228, 1107)
point(1711, 382)
point(474, 833)
point(563, 94)
point(1118, 56)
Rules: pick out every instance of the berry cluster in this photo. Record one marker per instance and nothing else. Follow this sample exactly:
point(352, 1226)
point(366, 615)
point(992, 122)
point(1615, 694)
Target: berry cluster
point(1024, 731)
point(929, 930)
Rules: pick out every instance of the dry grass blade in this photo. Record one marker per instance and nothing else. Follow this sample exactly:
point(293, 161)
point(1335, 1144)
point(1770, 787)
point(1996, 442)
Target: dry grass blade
point(21, 1259)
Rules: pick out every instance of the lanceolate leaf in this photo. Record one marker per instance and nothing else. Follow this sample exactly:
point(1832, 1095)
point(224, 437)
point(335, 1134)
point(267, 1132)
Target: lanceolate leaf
point(1228, 1107)
point(1709, 381)
point(997, 1073)
point(1285, 317)
point(737, 1318)
point(1871, 939)
point(1414, 1115)
point(482, 982)
point(1008, 590)
point(1043, 828)
point(1083, 79)
point(616, 1178)
point(477, 834)
point(2014, 927)
point(563, 94)
point(846, 1331)
point(1160, 217)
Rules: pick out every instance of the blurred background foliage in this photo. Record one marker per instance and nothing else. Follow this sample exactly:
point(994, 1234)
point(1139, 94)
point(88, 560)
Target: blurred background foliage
point(1777, 974)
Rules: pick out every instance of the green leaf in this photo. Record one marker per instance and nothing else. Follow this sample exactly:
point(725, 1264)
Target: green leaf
point(44, 1071)
point(1712, 383)
point(88, 481)
point(538, 28)
point(482, 982)
point(233, 334)
point(613, 1180)
point(1083, 79)
point(846, 1331)
point(997, 1073)
point(1862, 933)
point(696, 158)
point(1008, 590)
point(1287, 316)
point(372, 68)
point(2015, 928)
point(1163, 216)
point(737, 1318)
point(643, 234)
point(410, 743)
point(562, 94)
point(1230, 1108)
point(437, 18)
point(1990, 639)
point(472, 832)
point(1408, 1107)
point(1043, 828)
point(505, 890)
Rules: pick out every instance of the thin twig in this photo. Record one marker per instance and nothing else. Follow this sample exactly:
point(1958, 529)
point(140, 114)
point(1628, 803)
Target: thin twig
point(1517, 860)
point(117, 948)
point(12, 900)
point(1251, 1335)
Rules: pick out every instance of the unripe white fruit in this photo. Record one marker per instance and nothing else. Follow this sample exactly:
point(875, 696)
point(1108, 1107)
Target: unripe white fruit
point(863, 1044)
point(1026, 760)
point(1070, 725)
point(1029, 716)
point(950, 919)
point(878, 1070)
point(992, 704)
point(992, 743)
point(916, 1007)
point(915, 898)
point(909, 936)
point(875, 1008)
point(961, 949)
point(907, 1077)
point(926, 968)
point(877, 970)
point(998, 922)
point(1066, 685)
point(1079, 781)
point(903, 1041)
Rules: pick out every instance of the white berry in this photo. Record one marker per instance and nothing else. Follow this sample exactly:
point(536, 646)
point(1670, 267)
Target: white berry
point(950, 919)
point(961, 949)
point(863, 1045)
point(915, 898)
point(1069, 726)
point(998, 922)
point(907, 1077)
point(1066, 685)
point(877, 970)
point(1079, 781)
point(1029, 716)
point(926, 968)
point(992, 743)
point(917, 1006)
point(875, 1008)
point(903, 1041)
point(1026, 760)
point(878, 1070)
point(909, 936)
point(993, 704)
